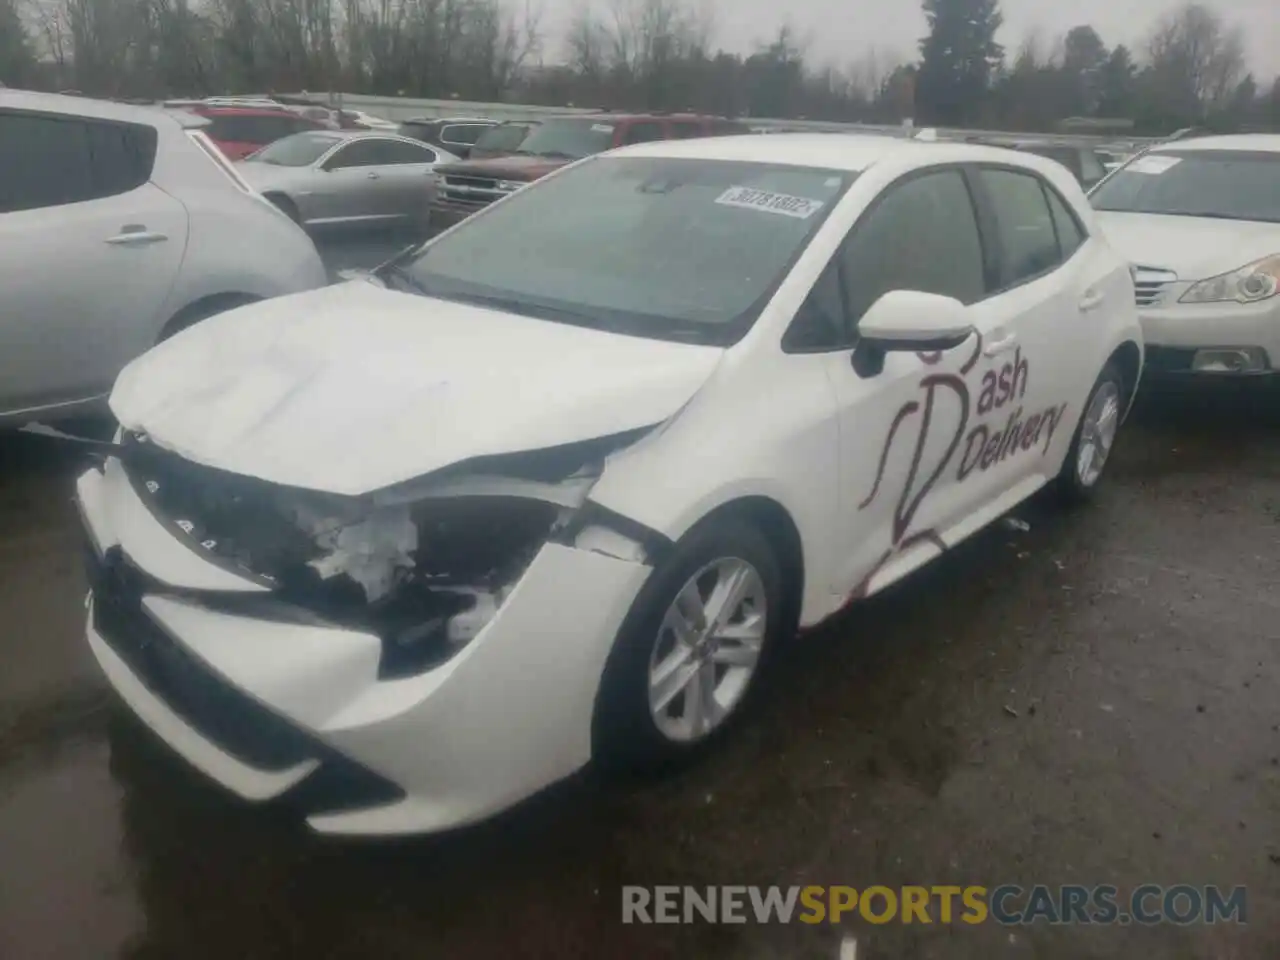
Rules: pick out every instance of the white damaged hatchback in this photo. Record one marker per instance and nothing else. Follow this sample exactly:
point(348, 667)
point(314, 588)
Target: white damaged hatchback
point(553, 486)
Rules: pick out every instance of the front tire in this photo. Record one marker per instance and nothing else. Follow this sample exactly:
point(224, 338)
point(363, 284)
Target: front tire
point(1094, 439)
point(689, 658)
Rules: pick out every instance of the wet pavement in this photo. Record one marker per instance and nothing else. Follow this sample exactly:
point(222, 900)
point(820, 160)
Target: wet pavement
point(1095, 700)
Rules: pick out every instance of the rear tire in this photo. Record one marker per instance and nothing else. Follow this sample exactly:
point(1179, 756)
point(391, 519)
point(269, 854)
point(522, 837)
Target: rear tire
point(724, 657)
point(1094, 440)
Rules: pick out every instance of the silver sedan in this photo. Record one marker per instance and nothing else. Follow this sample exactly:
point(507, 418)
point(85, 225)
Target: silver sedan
point(333, 178)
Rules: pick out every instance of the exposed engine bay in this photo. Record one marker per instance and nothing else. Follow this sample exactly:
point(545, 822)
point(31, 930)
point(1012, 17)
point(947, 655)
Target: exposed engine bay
point(424, 567)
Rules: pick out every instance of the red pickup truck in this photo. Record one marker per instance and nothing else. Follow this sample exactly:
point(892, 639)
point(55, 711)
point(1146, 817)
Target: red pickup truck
point(465, 187)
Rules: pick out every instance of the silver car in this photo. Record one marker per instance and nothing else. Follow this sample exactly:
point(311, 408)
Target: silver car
point(333, 178)
point(119, 227)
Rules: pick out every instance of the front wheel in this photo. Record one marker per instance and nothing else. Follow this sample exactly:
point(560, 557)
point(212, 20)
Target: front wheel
point(1095, 437)
point(689, 656)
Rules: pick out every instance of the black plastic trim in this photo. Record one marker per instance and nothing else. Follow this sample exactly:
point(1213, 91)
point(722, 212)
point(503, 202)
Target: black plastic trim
point(656, 546)
point(235, 722)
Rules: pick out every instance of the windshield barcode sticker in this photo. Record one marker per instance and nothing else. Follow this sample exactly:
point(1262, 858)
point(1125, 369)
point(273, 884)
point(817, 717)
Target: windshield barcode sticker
point(1153, 166)
point(802, 208)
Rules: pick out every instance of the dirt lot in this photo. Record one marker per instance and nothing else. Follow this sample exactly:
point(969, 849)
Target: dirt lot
point(1096, 700)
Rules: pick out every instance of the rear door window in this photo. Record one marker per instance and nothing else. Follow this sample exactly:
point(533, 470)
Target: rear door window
point(50, 161)
point(1071, 235)
point(1024, 224)
point(898, 245)
point(362, 153)
point(398, 151)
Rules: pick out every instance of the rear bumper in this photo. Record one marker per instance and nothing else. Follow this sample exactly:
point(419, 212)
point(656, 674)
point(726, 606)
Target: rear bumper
point(276, 708)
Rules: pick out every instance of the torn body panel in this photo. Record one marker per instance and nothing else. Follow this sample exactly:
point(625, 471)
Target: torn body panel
point(424, 565)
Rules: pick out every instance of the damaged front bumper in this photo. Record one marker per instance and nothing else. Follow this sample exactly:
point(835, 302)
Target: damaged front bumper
point(276, 702)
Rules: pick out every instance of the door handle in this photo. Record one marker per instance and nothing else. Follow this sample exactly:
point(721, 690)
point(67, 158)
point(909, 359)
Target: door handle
point(1000, 344)
point(135, 235)
point(374, 175)
point(1092, 300)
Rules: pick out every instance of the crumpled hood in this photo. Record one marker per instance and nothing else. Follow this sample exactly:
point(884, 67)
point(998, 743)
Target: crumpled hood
point(1192, 248)
point(512, 167)
point(353, 388)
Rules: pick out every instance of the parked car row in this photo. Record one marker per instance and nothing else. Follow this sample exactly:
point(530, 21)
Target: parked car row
point(463, 188)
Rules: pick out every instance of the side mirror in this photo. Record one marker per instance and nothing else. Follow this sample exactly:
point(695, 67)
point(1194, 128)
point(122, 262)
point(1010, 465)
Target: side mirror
point(908, 321)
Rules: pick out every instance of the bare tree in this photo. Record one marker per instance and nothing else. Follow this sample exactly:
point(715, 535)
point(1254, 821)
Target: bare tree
point(1196, 60)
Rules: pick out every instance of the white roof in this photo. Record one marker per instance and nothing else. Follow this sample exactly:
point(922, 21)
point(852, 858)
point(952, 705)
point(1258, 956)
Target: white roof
point(831, 151)
point(94, 109)
point(1265, 142)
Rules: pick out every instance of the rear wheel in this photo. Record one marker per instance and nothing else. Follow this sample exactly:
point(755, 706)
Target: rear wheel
point(1095, 437)
point(688, 659)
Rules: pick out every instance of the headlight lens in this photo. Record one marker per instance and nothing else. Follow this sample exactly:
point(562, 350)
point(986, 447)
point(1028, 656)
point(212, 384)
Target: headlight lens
point(1257, 281)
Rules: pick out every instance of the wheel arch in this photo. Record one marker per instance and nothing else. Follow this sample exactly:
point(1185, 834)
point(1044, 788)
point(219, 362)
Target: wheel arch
point(203, 308)
point(777, 525)
point(1128, 359)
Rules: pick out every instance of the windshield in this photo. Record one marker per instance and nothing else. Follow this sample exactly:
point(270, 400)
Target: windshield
point(1224, 184)
point(678, 249)
point(503, 138)
point(299, 150)
point(569, 137)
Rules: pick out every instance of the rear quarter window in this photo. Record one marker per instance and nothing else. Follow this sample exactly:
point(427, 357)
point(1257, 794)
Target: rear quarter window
point(50, 161)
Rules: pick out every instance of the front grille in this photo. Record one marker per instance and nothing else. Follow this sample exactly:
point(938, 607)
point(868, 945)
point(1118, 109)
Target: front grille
point(236, 521)
point(1145, 294)
point(1150, 284)
point(235, 723)
point(470, 191)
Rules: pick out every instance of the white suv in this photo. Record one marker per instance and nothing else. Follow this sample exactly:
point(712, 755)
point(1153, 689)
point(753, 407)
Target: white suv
point(120, 225)
point(1200, 222)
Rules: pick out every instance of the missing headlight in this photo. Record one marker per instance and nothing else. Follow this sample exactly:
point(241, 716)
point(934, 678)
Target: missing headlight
point(425, 565)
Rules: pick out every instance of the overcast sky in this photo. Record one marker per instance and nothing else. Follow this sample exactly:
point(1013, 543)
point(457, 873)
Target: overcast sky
point(842, 30)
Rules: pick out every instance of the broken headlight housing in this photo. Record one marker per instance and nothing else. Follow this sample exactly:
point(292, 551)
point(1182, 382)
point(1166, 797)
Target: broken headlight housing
point(425, 564)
